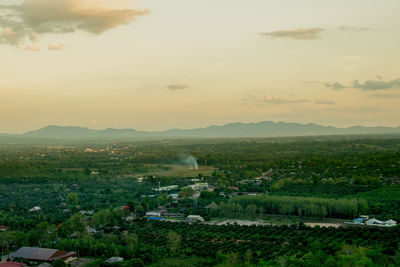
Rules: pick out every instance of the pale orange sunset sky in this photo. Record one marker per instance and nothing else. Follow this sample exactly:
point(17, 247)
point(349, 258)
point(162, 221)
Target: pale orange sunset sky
point(160, 64)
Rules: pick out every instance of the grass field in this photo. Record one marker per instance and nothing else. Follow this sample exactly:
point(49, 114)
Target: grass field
point(178, 171)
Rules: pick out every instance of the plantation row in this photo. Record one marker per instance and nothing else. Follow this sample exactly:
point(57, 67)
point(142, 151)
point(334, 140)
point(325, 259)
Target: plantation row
point(163, 239)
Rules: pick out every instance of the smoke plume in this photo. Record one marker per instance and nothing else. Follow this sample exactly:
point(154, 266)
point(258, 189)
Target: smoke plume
point(190, 161)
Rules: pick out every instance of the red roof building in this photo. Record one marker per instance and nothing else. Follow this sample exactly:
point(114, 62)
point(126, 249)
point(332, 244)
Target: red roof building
point(12, 264)
point(4, 228)
point(42, 254)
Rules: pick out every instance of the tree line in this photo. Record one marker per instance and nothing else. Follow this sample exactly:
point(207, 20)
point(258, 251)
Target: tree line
point(293, 206)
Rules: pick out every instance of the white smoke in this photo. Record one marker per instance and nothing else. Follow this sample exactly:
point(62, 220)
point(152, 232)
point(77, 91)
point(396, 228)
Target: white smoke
point(190, 161)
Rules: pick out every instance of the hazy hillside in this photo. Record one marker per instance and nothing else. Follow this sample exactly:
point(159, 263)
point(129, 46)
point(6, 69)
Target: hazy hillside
point(66, 132)
point(260, 129)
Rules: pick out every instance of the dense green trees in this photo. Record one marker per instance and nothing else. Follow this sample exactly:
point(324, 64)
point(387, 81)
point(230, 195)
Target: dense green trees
point(174, 241)
point(295, 206)
point(74, 226)
point(186, 192)
point(73, 199)
point(143, 242)
point(319, 177)
point(295, 245)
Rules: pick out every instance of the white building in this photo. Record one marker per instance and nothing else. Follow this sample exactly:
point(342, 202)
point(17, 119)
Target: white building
point(194, 218)
point(153, 214)
point(34, 209)
point(199, 186)
point(114, 260)
point(390, 223)
point(374, 222)
point(86, 212)
point(91, 230)
point(165, 188)
point(130, 217)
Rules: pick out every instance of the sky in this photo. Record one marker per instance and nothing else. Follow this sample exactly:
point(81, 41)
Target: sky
point(162, 64)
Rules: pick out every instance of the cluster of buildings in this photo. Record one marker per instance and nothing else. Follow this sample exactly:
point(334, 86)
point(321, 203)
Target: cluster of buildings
point(41, 256)
point(165, 188)
point(365, 220)
point(160, 215)
point(44, 257)
point(200, 187)
point(164, 213)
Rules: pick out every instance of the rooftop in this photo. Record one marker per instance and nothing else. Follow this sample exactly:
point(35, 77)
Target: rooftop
point(12, 264)
point(41, 254)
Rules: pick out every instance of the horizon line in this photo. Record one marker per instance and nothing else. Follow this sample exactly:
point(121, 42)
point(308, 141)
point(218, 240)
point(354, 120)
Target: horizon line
point(193, 128)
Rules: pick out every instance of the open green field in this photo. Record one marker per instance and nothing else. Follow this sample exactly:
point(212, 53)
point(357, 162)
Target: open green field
point(177, 171)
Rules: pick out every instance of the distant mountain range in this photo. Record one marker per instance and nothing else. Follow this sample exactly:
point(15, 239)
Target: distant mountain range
point(231, 130)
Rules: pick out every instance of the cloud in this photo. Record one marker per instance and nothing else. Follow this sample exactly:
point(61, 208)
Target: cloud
point(324, 102)
point(268, 99)
point(56, 47)
point(33, 48)
point(278, 100)
point(334, 85)
point(354, 29)
point(297, 34)
point(177, 86)
point(385, 96)
point(372, 85)
point(10, 36)
point(369, 85)
point(32, 18)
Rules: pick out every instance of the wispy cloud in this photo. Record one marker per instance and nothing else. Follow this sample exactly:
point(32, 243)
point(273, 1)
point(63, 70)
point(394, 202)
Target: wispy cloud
point(279, 100)
point(268, 99)
point(28, 20)
point(33, 48)
point(368, 85)
point(372, 85)
point(324, 102)
point(385, 95)
point(334, 85)
point(177, 86)
point(311, 82)
point(55, 47)
point(10, 36)
point(296, 34)
point(354, 29)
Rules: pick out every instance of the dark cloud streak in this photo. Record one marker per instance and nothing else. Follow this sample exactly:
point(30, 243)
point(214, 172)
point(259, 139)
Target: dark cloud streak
point(334, 85)
point(296, 34)
point(178, 86)
point(372, 85)
point(368, 85)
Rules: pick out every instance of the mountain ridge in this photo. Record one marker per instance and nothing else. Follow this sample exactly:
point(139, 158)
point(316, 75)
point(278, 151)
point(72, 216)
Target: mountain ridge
point(229, 130)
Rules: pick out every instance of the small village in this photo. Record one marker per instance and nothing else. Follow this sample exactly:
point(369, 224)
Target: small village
point(46, 257)
point(113, 205)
